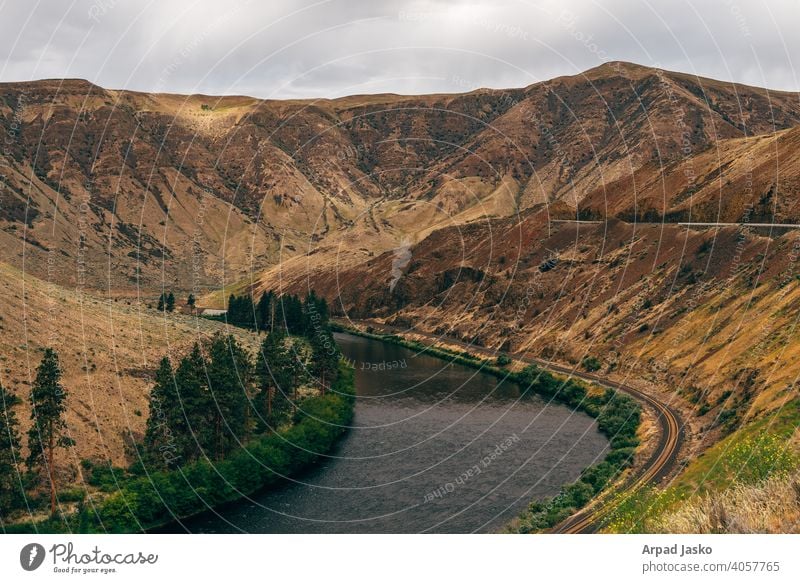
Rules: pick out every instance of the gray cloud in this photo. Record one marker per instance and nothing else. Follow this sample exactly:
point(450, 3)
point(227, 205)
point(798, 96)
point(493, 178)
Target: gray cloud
point(331, 48)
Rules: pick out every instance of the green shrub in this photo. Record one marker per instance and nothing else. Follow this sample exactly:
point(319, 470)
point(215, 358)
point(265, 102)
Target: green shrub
point(621, 458)
point(502, 360)
point(591, 363)
point(577, 495)
point(103, 475)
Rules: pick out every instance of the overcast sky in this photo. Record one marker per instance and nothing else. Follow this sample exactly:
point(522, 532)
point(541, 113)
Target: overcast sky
point(329, 48)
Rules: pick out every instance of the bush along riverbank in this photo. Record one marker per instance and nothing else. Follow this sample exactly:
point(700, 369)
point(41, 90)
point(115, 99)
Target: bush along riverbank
point(618, 417)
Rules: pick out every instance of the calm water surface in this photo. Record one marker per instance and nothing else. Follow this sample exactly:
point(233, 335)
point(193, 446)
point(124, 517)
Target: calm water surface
point(435, 447)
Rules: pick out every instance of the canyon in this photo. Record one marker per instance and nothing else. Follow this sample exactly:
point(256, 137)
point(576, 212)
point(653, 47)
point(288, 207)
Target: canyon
point(554, 220)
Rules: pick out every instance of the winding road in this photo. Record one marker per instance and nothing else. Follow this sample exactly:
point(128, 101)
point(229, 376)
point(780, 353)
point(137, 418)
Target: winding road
point(659, 464)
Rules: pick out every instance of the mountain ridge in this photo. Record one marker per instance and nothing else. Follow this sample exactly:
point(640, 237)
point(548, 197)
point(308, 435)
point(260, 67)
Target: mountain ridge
point(291, 171)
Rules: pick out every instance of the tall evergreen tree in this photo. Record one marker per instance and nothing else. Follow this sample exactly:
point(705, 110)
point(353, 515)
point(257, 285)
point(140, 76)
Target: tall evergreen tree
point(241, 311)
point(264, 311)
point(190, 301)
point(325, 357)
point(324, 313)
point(310, 315)
point(276, 381)
point(10, 484)
point(165, 421)
point(170, 304)
point(228, 380)
point(47, 413)
point(193, 405)
point(297, 316)
point(232, 315)
point(315, 312)
point(292, 314)
point(161, 300)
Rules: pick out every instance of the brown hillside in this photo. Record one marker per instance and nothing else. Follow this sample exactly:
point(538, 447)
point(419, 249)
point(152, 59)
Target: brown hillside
point(709, 315)
point(113, 194)
point(128, 188)
point(108, 350)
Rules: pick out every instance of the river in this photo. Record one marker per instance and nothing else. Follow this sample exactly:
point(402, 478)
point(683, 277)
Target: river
point(434, 447)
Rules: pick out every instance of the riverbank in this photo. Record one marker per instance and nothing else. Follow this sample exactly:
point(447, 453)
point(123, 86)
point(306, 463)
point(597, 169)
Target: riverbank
point(153, 500)
point(618, 417)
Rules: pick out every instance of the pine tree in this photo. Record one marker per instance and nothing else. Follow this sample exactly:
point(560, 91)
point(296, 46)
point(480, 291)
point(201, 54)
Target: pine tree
point(161, 299)
point(275, 380)
point(10, 485)
point(298, 367)
point(170, 302)
point(310, 315)
point(228, 380)
point(232, 315)
point(250, 316)
point(241, 311)
point(298, 318)
point(315, 312)
point(324, 313)
point(165, 421)
point(192, 405)
point(263, 311)
point(190, 301)
point(272, 308)
point(47, 413)
point(325, 357)
point(292, 314)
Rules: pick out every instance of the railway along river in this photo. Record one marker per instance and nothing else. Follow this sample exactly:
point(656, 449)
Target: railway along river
point(434, 447)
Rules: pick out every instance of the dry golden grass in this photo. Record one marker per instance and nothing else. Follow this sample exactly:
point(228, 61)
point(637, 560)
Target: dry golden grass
point(772, 506)
point(107, 349)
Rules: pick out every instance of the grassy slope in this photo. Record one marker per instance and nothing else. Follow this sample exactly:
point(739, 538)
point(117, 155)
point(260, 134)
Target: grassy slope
point(108, 349)
point(755, 456)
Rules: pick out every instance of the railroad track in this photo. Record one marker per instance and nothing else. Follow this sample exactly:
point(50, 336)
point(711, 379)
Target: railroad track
point(659, 464)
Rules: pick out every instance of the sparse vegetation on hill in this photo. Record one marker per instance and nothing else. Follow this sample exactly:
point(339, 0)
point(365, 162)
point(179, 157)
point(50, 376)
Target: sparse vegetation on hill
point(769, 506)
point(109, 350)
point(171, 201)
point(591, 363)
point(216, 431)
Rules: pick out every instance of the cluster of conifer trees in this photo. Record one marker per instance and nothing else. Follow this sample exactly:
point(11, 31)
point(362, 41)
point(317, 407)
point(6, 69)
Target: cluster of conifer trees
point(271, 311)
point(213, 402)
point(166, 301)
point(218, 396)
